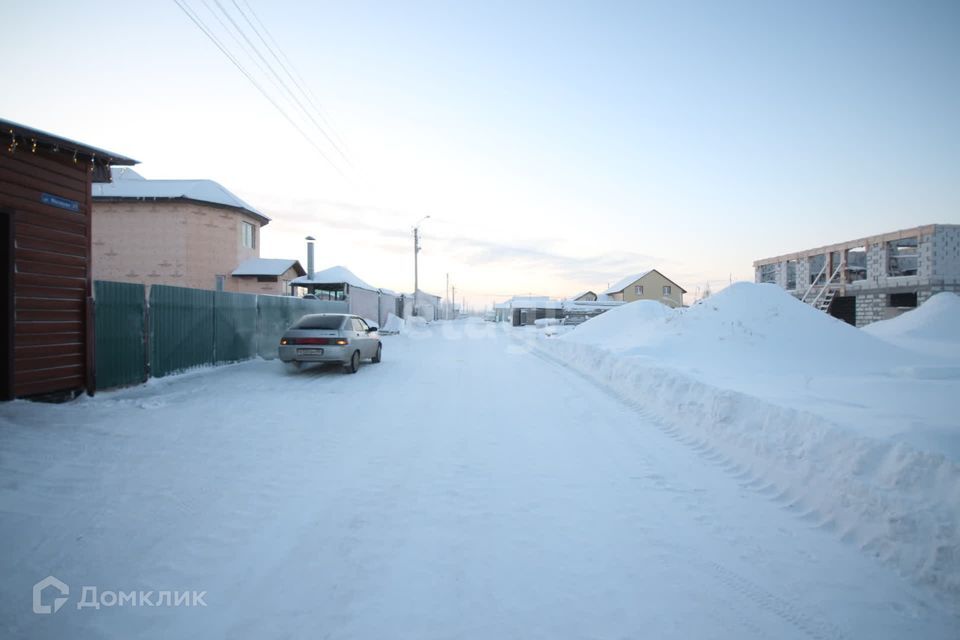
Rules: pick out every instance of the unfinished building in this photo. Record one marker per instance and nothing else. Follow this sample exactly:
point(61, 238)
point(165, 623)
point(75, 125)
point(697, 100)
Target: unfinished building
point(874, 278)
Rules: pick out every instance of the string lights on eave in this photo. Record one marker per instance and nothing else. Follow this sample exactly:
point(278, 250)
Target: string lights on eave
point(80, 158)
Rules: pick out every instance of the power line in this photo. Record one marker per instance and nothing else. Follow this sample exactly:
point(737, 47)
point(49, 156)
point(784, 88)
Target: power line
point(240, 44)
point(291, 71)
point(209, 33)
point(274, 73)
point(285, 86)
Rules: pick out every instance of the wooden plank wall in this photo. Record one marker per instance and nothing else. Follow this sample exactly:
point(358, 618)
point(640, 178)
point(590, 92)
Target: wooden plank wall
point(52, 276)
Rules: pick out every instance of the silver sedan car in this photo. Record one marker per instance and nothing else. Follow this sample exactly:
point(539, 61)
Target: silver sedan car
point(331, 337)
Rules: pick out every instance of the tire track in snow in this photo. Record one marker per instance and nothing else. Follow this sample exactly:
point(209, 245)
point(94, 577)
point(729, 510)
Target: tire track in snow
point(808, 624)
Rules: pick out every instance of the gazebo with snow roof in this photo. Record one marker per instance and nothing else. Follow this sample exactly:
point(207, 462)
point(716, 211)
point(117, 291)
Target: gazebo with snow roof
point(340, 284)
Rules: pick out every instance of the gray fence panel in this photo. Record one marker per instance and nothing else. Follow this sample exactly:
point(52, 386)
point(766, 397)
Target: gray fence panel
point(365, 304)
point(275, 314)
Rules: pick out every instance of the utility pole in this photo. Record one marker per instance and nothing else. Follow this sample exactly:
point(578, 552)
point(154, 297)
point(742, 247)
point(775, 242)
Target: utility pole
point(453, 304)
point(416, 278)
point(447, 314)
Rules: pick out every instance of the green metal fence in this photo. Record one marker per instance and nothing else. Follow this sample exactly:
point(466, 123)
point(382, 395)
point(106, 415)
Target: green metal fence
point(184, 328)
point(235, 326)
point(181, 329)
point(120, 346)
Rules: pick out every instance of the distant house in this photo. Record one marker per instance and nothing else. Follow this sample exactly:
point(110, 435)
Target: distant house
point(189, 233)
point(265, 275)
point(524, 310)
point(428, 306)
point(578, 311)
point(340, 284)
point(648, 285)
point(584, 296)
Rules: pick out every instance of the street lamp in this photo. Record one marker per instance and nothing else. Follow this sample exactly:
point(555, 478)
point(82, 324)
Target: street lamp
point(416, 250)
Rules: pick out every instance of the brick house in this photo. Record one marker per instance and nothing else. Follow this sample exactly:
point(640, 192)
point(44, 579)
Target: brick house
point(188, 233)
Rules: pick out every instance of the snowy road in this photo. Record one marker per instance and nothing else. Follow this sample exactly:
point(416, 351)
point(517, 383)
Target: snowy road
point(463, 488)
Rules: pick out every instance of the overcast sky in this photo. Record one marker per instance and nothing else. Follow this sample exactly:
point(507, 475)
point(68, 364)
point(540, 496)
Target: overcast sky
point(556, 146)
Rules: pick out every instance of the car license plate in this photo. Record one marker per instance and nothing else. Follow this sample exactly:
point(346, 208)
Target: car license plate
point(309, 352)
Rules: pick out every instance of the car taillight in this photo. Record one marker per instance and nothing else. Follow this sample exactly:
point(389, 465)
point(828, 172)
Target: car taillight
point(338, 341)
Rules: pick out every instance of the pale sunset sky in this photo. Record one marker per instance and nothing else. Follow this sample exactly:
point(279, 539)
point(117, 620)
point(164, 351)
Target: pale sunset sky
point(556, 146)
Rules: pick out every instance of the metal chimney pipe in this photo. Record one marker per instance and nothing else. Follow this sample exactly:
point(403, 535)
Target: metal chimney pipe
point(310, 271)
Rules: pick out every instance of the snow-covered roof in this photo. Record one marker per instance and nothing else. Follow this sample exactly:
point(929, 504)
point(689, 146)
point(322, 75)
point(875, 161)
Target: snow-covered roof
point(623, 283)
point(267, 267)
point(532, 302)
point(334, 275)
point(127, 184)
point(588, 305)
point(423, 294)
point(580, 295)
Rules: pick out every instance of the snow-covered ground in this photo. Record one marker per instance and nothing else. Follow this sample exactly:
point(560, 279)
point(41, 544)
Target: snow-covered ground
point(858, 433)
point(466, 487)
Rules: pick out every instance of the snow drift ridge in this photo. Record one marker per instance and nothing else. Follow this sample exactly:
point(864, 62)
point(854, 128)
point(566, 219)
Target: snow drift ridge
point(893, 501)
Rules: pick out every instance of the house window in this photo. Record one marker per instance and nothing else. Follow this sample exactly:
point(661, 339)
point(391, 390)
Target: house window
point(791, 274)
point(817, 267)
point(667, 289)
point(902, 257)
point(248, 234)
point(638, 289)
point(856, 264)
point(266, 278)
point(768, 273)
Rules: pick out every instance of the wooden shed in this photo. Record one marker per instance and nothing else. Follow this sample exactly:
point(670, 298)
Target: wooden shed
point(45, 206)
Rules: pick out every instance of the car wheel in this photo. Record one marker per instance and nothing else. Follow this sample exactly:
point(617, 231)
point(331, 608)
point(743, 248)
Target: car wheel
point(354, 362)
point(376, 358)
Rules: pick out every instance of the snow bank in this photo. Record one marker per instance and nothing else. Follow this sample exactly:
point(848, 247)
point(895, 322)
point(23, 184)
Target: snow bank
point(892, 499)
point(932, 328)
point(746, 327)
point(546, 322)
point(625, 326)
point(393, 324)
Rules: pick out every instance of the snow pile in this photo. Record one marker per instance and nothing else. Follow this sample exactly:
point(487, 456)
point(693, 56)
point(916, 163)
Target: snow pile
point(546, 322)
point(625, 326)
point(799, 405)
point(556, 330)
point(748, 327)
point(932, 328)
point(393, 324)
point(415, 322)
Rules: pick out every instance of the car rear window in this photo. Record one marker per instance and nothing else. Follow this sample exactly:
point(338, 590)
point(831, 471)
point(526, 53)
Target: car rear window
point(319, 322)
